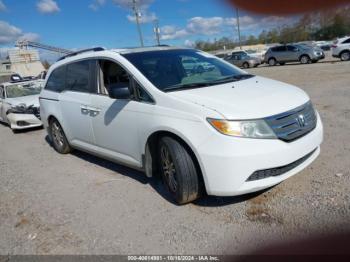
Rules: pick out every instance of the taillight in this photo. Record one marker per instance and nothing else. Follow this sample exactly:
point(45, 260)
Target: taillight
point(334, 46)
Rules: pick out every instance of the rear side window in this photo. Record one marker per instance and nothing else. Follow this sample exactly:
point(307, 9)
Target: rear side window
point(279, 49)
point(347, 41)
point(291, 48)
point(57, 80)
point(80, 77)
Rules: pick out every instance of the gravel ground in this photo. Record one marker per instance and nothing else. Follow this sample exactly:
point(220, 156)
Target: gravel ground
point(80, 204)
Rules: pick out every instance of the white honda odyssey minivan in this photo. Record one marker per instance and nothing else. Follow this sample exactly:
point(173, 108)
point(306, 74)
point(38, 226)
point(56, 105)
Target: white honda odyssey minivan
point(213, 128)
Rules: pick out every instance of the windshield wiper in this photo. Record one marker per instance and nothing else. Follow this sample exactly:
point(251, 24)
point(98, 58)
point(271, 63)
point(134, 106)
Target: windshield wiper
point(232, 78)
point(244, 76)
point(186, 86)
point(228, 79)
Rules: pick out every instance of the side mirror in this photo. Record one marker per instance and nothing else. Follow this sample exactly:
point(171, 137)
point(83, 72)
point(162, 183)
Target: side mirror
point(119, 92)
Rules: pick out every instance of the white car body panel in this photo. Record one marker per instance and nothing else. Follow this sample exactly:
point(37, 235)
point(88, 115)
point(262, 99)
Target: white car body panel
point(12, 119)
point(271, 97)
point(340, 46)
point(119, 129)
point(31, 119)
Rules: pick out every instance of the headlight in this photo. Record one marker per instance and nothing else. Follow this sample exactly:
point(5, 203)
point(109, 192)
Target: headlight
point(18, 109)
point(247, 129)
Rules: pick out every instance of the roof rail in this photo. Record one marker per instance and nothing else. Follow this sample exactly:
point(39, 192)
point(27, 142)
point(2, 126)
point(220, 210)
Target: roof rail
point(95, 49)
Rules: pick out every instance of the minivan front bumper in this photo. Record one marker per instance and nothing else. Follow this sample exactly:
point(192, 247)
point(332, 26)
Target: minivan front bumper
point(227, 162)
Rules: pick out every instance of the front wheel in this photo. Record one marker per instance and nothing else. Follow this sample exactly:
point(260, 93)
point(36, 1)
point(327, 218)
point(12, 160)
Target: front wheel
point(178, 171)
point(59, 140)
point(245, 65)
point(305, 59)
point(345, 56)
point(272, 62)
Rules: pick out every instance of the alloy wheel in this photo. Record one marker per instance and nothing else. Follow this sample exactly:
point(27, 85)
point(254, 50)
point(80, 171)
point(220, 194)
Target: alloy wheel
point(57, 134)
point(345, 56)
point(169, 170)
point(304, 60)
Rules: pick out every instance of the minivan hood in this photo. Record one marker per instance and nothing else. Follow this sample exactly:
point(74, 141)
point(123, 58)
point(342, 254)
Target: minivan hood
point(28, 100)
point(253, 98)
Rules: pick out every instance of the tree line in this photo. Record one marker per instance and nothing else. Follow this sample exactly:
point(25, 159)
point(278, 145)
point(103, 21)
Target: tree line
point(322, 25)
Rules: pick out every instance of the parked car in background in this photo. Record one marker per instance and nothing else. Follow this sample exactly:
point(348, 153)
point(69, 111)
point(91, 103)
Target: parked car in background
point(260, 54)
point(19, 104)
point(195, 66)
point(324, 45)
point(224, 132)
point(302, 53)
point(341, 48)
point(242, 59)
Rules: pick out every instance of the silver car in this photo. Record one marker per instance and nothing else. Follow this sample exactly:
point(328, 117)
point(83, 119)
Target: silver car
point(293, 53)
point(242, 59)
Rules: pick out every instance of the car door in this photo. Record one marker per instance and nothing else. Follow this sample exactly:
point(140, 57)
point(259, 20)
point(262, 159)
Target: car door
point(292, 53)
point(75, 100)
point(235, 59)
point(117, 122)
point(346, 44)
point(281, 54)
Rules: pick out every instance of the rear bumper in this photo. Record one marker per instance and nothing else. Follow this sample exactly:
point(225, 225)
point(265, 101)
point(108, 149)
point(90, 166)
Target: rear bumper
point(23, 121)
point(227, 162)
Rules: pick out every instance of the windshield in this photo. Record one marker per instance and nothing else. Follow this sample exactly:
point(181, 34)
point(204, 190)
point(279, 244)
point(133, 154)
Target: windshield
point(175, 70)
point(23, 89)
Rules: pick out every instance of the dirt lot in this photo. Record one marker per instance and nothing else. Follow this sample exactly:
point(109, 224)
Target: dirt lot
point(79, 204)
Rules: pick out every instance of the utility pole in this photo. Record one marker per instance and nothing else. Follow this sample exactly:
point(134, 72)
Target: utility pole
point(137, 17)
point(239, 29)
point(157, 31)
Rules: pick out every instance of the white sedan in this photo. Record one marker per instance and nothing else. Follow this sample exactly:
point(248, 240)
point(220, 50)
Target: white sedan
point(19, 104)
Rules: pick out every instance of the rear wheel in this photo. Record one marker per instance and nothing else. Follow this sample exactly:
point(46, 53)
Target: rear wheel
point(272, 62)
point(178, 171)
point(305, 59)
point(245, 65)
point(59, 140)
point(345, 56)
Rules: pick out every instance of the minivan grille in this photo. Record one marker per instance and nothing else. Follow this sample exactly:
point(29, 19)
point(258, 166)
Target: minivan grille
point(294, 124)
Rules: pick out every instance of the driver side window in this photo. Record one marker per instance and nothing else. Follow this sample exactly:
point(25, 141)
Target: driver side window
point(114, 79)
point(116, 82)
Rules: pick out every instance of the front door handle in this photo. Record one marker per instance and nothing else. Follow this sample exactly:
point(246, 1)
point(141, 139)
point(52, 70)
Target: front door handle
point(93, 109)
point(84, 109)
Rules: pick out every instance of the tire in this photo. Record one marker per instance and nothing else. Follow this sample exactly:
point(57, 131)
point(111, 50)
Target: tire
point(305, 59)
point(245, 65)
point(272, 62)
point(345, 56)
point(178, 171)
point(58, 138)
